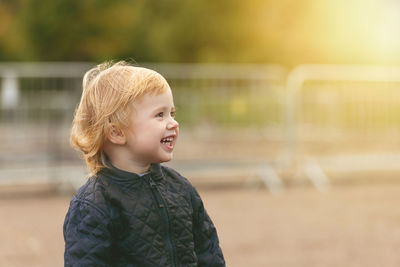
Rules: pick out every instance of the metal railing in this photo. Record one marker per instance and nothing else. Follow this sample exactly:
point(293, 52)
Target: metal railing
point(343, 119)
point(225, 111)
point(316, 121)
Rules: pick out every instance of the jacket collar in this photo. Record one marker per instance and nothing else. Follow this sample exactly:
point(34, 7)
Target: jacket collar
point(156, 172)
point(120, 175)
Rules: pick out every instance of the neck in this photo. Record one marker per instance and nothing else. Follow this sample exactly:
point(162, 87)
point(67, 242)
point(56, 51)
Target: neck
point(121, 158)
point(129, 166)
point(124, 162)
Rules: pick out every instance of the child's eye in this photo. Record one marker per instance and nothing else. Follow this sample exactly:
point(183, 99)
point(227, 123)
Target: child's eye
point(160, 114)
point(173, 114)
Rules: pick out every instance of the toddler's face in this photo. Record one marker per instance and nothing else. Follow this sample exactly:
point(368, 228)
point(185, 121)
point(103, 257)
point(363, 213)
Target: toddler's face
point(154, 131)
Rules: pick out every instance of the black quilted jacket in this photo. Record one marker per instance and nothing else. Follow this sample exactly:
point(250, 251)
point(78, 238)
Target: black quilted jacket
point(123, 219)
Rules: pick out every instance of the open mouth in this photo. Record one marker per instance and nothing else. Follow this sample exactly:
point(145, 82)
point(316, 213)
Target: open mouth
point(167, 141)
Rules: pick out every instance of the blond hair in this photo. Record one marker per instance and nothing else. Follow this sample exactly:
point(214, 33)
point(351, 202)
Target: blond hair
point(108, 92)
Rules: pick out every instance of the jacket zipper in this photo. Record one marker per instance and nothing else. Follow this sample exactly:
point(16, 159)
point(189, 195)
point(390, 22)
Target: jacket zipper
point(164, 213)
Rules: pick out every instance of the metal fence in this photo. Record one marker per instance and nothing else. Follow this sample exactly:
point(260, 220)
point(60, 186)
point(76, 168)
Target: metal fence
point(343, 120)
point(315, 122)
point(227, 115)
point(37, 103)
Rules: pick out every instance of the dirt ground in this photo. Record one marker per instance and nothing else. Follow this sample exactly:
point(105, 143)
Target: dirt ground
point(353, 225)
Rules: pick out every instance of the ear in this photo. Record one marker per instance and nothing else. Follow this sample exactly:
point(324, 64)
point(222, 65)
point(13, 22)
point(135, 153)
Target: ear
point(116, 135)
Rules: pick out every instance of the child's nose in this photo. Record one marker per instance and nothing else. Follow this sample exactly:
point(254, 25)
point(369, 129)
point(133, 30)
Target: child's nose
point(172, 124)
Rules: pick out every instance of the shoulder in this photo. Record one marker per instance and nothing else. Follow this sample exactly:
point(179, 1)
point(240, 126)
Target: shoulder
point(173, 176)
point(87, 221)
point(92, 196)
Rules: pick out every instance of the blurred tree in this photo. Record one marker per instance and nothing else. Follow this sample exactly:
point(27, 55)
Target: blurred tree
point(12, 42)
point(146, 30)
point(288, 32)
point(76, 30)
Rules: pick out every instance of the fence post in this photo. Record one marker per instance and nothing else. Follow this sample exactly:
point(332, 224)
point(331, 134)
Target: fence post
point(9, 90)
point(294, 83)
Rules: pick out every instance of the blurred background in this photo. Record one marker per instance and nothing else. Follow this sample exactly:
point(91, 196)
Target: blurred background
point(289, 114)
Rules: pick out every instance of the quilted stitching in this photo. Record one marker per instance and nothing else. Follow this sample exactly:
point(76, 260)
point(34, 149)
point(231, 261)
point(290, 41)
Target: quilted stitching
point(116, 222)
point(86, 222)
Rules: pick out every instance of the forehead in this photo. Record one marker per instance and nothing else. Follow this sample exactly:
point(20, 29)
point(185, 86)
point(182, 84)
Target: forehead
point(154, 101)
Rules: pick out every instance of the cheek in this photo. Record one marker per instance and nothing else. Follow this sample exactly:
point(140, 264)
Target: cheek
point(152, 132)
point(149, 130)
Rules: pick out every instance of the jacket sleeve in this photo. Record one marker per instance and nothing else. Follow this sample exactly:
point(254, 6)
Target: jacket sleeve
point(208, 251)
point(86, 235)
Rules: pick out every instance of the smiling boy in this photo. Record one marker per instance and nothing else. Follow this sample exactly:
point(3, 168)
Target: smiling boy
point(132, 211)
point(150, 138)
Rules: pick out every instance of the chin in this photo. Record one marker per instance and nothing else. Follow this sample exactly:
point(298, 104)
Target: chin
point(169, 158)
point(165, 158)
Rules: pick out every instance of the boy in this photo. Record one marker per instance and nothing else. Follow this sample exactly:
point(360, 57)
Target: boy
point(132, 211)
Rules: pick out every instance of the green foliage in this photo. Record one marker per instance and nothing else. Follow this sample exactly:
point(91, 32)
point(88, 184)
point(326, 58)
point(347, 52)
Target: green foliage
point(145, 30)
point(288, 32)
